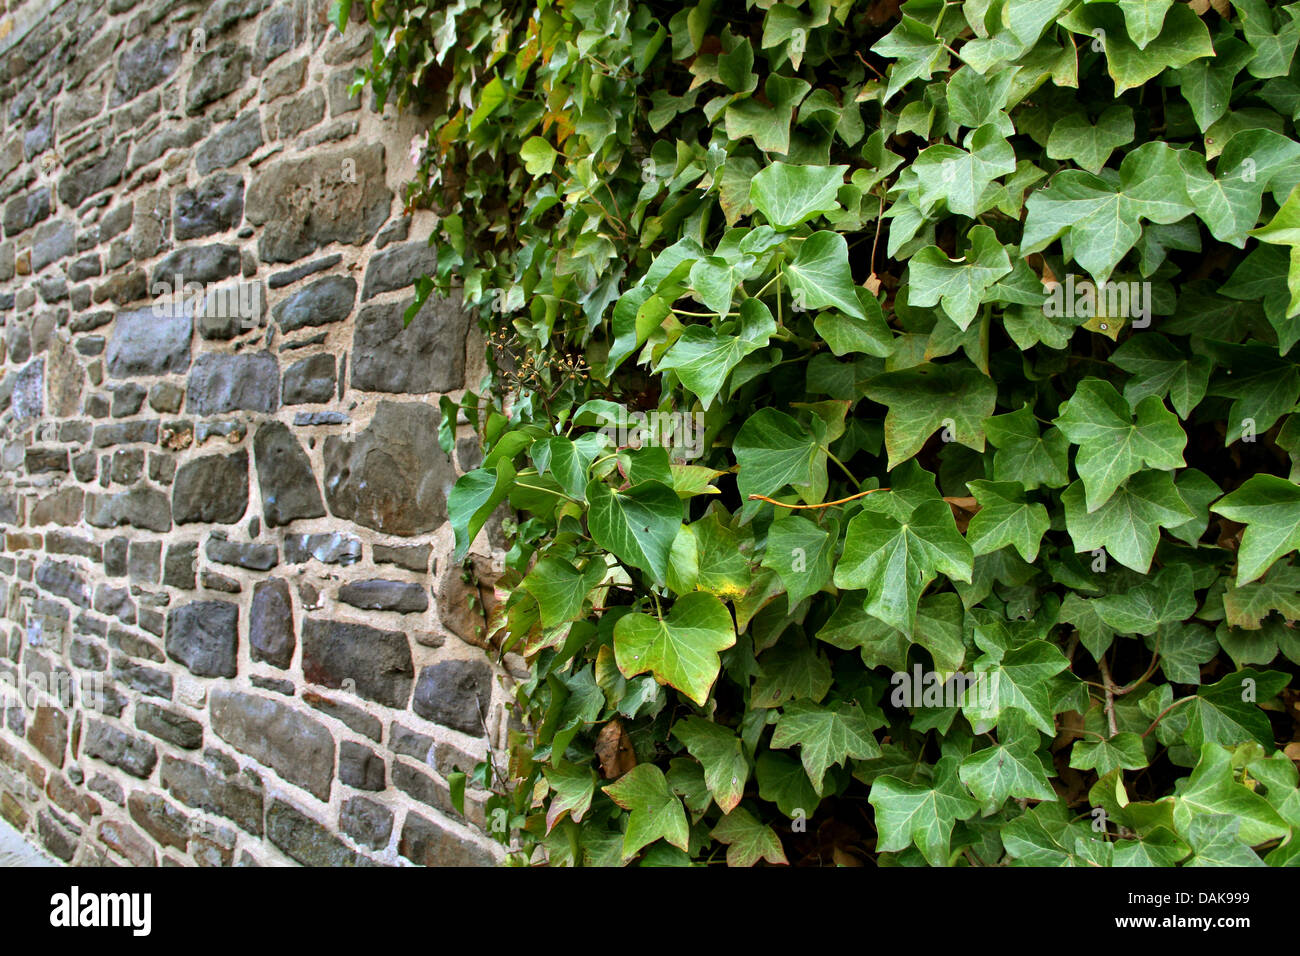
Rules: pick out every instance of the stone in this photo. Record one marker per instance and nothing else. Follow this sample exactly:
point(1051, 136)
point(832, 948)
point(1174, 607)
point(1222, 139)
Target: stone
point(214, 205)
point(414, 557)
point(284, 474)
point(145, 343)
point(211, 489)
point(278, 31)
point(140, 507)
point(209, 790)
point(87, 267)
point(270, 624)
point(127, 842)
point(360, 767)
point(115, 602)
point(367, 822)
point(38, 460)
point(28, 396)
point(181, 564)
point(221, 383)
point(52, 241)
point(398, 267)
point(379, 594)
point(65, 580)
point(309, 381)
point(161, 819)
point(320, 418)
point(455, 694)
point(354, 717)
point(145, 65)
point(230, 144)
point(168, 725)
point(428, 844)
point(393, 478)
point(426, 356)
point(23, 212)
point(92, 175)
point(325, 547)
point(54, 837)
point(145, 561)
point(270, 731)
point(278, 280)
point(125, 433)
point(116, 747)
point(48, 733)
point(306, 841)
point(423, 787)
point(201, 264)
point(305, 203)
point(328, 299)
point(204, 636)
point(218, 72)
point(302, 112)
point(408, 743)
point(231, 309)
point(341, 101)
point(166, 397)
point(255, 557)
point(284, 80)
point(373, 663)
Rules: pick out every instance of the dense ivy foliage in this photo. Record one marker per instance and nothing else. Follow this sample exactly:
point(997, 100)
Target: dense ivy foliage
point(963, 338)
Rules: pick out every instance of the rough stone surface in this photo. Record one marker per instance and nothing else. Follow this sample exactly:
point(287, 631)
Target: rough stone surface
point(299, 749)
point(204, 636)
point(270, 626)
point(394, 477)
point(144, 343)
point(221, 383)
point(309, 381)
point(378, 594)
point(289, 489)
point(211, 489)
point(455, 694)
point(426, 356)
point(214, 205)
point(373, 663)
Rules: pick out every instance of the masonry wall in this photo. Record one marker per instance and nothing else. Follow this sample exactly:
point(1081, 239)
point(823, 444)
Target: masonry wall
point(232, 634)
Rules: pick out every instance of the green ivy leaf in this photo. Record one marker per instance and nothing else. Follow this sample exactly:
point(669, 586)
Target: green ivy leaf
point(747, 840)
point(922, 814)
point(654, 812)
point(1006, 518)
point(959, 285)
point(924, 399)
point(1269, 507)
point(638, 525)
point(826, 735)
point(820, 278)
point(789, 195)
point(681, 650)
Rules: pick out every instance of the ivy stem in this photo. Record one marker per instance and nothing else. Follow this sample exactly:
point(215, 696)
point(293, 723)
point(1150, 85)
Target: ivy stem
point(844, 468)
point(1110, 695)
point(824, 504)
point(1160, 716)
point(558, 494)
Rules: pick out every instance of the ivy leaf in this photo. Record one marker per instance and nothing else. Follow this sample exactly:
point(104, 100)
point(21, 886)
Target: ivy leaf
point(923, 814)
point(1128, 524)
point(1212, 789)
point(1024, 454)
point(826, 735)
point(782, 780)
point(961, 178)
point(573, 787)
point(681, 650)
point(1102, 218)
point(820, 277)
point(1123, 751)
point(538, 156)
point(1279, 590)
point(1160, 368)
point(1269, 507)
point(802, 553)
point(704, 358)
point(1075, 138)
point(1144, 18)
point(1274, 46)
point(1226, 712)
point(719, 751)
point(960, 285)
point(924, 399)
point(655, 812)
point(788, 195)
point(1215, 839)
point(1008, 769)
point(472, 500)
point(638, 525)
point(790, 671)
point(1006, 518)
point(917, 50)
point(560, 588)
point(747, 840)
point(846, 334)
point(773, 450)
point(895, 560)
point(1112, 445)
point(1182, 39)
point(1167, 598)
point(1021, 681)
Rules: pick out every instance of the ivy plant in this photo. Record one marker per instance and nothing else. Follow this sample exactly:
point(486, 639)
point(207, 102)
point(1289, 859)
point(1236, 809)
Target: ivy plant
point(895, 412)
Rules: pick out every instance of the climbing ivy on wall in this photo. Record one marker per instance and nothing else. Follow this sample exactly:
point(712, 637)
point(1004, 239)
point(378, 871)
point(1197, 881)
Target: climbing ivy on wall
point(898, 409)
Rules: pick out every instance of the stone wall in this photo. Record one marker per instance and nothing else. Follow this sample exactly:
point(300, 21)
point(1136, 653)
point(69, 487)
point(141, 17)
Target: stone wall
point(232, 633)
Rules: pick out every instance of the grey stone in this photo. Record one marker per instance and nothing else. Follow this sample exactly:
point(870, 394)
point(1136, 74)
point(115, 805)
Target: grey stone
point(92, 175)
point(202, 264)
point(24, 211)
point(454, 694)
point(145, 561)
point(145, 65)
point(230, 144)
point(284, 474)
point(328, 299)
point(204, 635)
point(408, 743)
point(222, 383)
point(327, 548)
point(305, 203)
point(413, 558)
point(127, 399)
point(143, 343)
point(284, 80)
point(377, 663)
point(393, 478)
point(307, 841)
point(340, 100)
point(428, 844)
point(213, 488)
point(378, 594)
point(360, 767)
point(87, 267)
point(181, 565)
point(218, 72)
point(279, 280)
point(354, 717)
point(300, 113)
point(63, 579)
point(143, 679)
point(214, 205)
point(320, 418)
point(426, 356)
point(168, 725)
point(270, 731)
point(278, 31)
point(367, 822)
point(123, 433)
point(309, 381)
point(166, 397)
point(28, 397)
point(163, 821)
point(398, 267)
point(209, 790)
point(231, 309)
point(255, 557)
point(116, 747)
point(52, 242)
point(270, 624)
